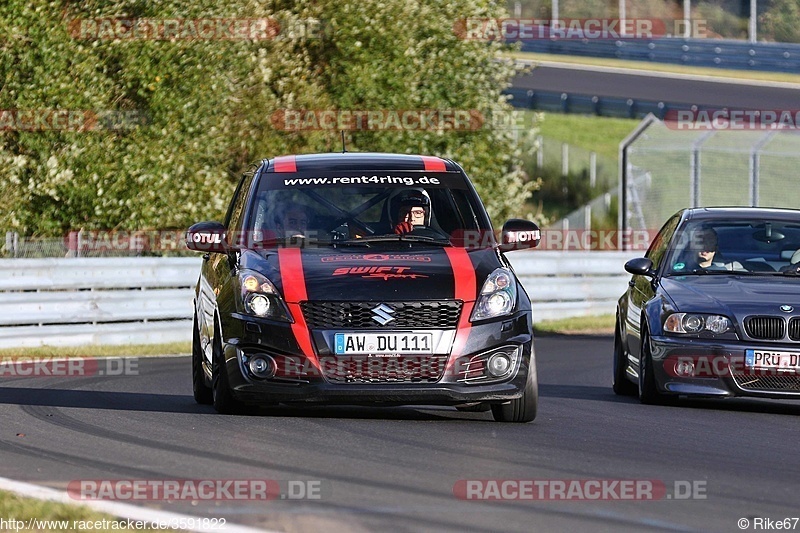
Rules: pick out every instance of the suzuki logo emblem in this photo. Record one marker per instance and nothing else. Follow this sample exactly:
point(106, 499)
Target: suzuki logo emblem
point(383, 314)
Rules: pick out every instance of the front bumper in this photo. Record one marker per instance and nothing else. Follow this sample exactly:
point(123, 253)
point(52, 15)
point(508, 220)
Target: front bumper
point(714, 368)
point(308, 384)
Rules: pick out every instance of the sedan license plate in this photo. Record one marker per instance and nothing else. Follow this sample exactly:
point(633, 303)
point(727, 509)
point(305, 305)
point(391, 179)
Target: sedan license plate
point(382, 343)
point(771, 359)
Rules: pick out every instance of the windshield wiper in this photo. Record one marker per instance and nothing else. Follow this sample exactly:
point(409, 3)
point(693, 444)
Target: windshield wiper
point(366, 241)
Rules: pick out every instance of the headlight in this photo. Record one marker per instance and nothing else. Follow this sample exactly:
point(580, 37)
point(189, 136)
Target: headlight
point(695, 323)
point(260, 297)
point(498, 296)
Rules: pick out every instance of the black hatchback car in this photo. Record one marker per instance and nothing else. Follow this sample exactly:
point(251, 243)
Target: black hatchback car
point(713, 309)
point(362, 278)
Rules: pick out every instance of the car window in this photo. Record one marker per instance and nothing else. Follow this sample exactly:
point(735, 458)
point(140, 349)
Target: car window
point(659, 246)
point(233, 221)
point(363, 207)
point(746, 246)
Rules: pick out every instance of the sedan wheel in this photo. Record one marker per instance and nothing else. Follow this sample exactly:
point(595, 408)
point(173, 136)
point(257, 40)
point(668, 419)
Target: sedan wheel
point(648, 390)
point(621, 384)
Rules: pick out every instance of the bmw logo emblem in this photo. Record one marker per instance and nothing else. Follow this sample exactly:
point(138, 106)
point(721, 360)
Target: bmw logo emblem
point(787, 308)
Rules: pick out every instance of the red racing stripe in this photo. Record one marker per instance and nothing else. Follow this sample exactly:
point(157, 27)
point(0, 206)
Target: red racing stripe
point(433, 164)
point(466, 290)
point(290, 264)
point(285, 163)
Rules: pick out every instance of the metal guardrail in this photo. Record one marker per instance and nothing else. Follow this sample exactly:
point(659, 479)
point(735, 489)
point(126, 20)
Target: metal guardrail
point(589, 104)
point(719, 53)
point(83, 301)
point(568, 284)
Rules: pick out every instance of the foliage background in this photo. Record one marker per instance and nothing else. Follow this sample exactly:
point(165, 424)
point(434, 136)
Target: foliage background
point(209, 103)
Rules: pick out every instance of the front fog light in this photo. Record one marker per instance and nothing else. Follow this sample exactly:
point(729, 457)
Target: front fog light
point(261, 367)
point(499, 364)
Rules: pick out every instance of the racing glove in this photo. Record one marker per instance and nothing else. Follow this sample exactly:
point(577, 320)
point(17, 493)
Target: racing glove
point(403, 228)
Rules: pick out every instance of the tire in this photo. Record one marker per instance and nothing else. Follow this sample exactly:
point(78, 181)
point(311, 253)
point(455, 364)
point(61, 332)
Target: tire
point(222, 397)
point(522, 409)
point(622, 385)
point(202, 392)
point(648, 390)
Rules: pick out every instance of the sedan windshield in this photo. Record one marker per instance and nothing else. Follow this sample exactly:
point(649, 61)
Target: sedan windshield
point(409, 209)
point(741, 246)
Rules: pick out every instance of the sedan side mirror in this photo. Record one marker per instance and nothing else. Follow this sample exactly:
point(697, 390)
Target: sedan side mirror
point(641, 266)
point(519, 234)
point(207, 237)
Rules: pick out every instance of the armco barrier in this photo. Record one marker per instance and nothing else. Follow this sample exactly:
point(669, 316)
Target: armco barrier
point(568, 284)
point(143, 300)
point(73, 302)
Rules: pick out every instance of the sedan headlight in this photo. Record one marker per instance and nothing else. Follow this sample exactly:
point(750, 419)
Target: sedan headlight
point(498, 296)
point(696, 323)
point(260, 297)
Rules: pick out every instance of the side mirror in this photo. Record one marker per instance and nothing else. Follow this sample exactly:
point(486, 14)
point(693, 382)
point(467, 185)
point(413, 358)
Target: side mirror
point(641, 266)
point(207, 237)
point(519, 234)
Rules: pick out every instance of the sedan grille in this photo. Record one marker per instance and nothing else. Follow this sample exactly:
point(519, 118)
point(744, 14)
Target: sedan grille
point(794, 329)
point(788, 383)
point(362, 315)
point(771, 328)
point(381, 370)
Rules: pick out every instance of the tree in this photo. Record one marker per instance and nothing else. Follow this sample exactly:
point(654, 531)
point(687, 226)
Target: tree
point(203, 107)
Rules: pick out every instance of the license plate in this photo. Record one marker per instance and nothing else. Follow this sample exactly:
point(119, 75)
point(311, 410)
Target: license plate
point(382, 343)
point(771, 359)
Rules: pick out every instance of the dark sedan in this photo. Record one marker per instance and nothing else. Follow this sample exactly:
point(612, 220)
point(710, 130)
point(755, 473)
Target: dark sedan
point(363, 279)
point(713, 309)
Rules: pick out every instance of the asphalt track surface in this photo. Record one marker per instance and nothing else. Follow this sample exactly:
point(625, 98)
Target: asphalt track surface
point(394, 469)
point(657, 88)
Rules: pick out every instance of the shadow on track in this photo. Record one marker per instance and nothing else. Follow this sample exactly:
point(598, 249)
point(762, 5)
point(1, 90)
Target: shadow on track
point(605, 394)
point(171, 403)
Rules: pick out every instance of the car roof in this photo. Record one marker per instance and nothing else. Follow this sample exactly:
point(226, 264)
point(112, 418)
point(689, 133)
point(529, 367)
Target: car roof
point(359, 161)
point(741, 213)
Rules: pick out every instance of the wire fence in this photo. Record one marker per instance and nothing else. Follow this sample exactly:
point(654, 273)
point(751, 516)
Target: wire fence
point(665, 170)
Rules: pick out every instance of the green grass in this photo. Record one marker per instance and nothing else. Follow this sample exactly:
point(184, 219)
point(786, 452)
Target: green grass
point(598, 134)
point(13, 506)
point(662, 67)
point(587, 325)
point(139, 350)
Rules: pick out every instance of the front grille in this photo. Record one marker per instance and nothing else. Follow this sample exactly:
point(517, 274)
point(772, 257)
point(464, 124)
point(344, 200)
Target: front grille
point(754, 382)
point(770, 328)
point(359, 370)
point(794, 329)
point(360, 315)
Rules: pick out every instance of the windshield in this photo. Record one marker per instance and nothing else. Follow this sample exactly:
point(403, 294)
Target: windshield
point(744, 246)
point(367, 210)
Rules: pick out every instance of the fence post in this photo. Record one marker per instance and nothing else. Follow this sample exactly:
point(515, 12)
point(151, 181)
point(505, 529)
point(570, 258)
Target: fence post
point(592, 169)
point(755, 166)
point(540, 153)
point(694, 168)
point(564, 159)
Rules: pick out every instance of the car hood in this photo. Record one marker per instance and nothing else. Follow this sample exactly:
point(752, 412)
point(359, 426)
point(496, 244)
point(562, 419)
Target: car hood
point(358, 275)
point(734, 295)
